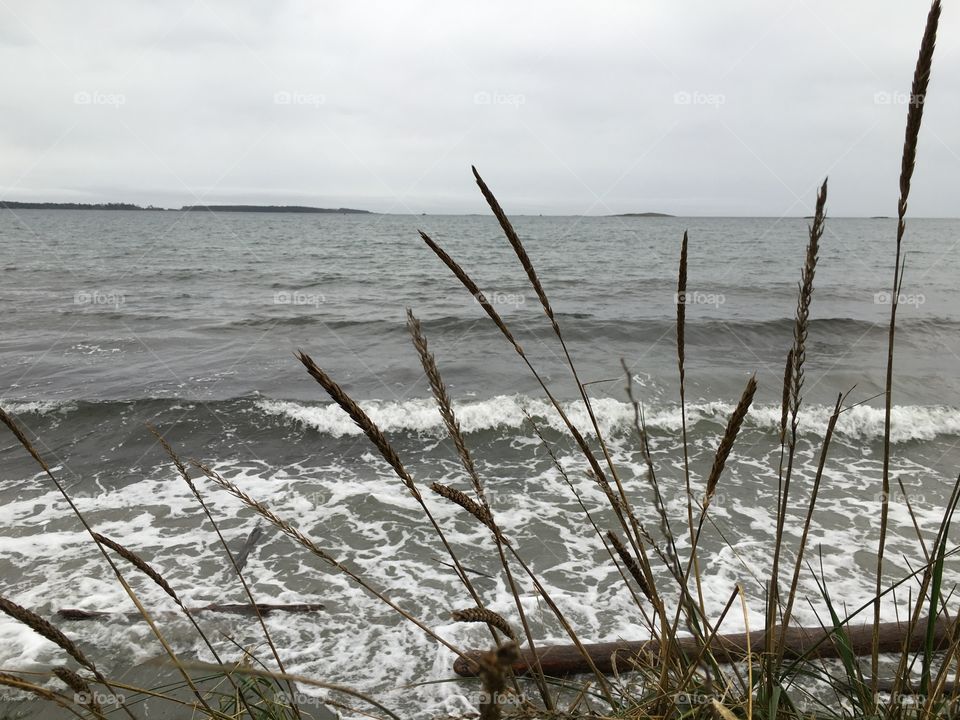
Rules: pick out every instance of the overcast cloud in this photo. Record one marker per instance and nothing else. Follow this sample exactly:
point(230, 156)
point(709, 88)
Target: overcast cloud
point(690, 108)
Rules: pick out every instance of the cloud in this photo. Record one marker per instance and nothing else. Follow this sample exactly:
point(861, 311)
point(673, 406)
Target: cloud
point(700, 108)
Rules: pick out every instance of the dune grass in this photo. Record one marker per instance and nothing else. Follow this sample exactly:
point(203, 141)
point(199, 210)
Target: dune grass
point(688, 669)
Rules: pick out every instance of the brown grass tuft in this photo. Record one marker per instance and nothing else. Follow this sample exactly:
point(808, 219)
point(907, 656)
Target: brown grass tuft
point(472, 288)
point(139, 563)
point(918, 96)
point(494, 673)
point(38, 690)
point(804, 299)
point(444, 403)
point(358, 416)
point(682, 308)
point(785, 400)
point(18, 433)
point(516, 244)
point(79, 686)
point(629, 562)
point(729, 437)
point(469, 504)
point(485, 615)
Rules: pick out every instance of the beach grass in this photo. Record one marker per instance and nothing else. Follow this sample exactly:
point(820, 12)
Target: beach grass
point(687, 667)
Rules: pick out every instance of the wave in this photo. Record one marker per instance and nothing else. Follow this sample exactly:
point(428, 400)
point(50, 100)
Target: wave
point(291, 321)
point(508, 414)
point(909, 422)
point(589, 326)
point(37, 407)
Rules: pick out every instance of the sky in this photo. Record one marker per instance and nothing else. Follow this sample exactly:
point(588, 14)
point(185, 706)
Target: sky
point(689, 108)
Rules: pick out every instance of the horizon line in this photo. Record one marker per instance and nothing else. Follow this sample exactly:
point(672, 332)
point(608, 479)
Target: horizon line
point(316, 210)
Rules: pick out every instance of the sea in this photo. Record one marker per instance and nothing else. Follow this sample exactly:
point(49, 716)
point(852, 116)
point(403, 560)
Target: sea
point(189, 322)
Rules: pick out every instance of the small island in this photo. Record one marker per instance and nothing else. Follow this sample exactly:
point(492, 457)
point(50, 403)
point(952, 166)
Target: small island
point(644, 214)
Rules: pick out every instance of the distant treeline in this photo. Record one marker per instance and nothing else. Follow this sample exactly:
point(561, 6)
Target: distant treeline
point(271, 208)
point(186, 208)
point(72, 206)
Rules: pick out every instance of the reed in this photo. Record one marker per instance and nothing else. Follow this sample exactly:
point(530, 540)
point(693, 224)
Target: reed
point(481, 510)
point(185, 476)
point(141, 565)
point(629, 563)
point(918, 96)
point(80, 688)
point(487, 616)
point(514, 239)
point(39, 691)
point(471, 506)
point(47, 630)
point(7, 420)
point(793, 381)
point(308, 544)
point(729, 438)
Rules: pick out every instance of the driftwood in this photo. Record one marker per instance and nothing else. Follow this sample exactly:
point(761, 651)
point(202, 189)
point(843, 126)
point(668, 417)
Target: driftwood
point(239, 609)
point(559, 660)
point(248, 546)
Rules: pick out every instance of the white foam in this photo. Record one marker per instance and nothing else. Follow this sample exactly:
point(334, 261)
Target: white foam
point(909, 422)
point(36, 407)
point(352, 505)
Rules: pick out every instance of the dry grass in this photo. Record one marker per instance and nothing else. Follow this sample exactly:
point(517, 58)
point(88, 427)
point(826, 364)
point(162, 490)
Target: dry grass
point(918, 96)
point(45, 629)
point(685, 655)
point(729, 438)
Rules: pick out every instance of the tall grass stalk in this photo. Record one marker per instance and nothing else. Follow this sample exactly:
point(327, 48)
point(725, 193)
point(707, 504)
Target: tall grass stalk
point(918, 96)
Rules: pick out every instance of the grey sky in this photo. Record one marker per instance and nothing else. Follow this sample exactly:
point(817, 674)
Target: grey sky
point(696, 108)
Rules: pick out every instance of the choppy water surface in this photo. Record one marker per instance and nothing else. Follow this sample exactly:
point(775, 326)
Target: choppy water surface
point(189, 322)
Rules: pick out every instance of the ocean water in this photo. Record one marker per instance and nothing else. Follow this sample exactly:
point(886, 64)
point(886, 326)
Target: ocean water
point(189, 321)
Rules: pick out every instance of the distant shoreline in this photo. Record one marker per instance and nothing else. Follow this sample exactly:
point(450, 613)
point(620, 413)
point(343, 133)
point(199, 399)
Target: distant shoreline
point(186, 208)
point(307, 209)
point(644, 214)
point(272, 209)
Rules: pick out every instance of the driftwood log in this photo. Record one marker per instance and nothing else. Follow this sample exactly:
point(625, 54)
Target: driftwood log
point(560, 660)
point(252, 539)
point(239, 609)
